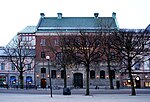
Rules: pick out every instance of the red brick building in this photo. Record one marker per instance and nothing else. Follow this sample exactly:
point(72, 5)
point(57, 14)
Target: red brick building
point(50, 28)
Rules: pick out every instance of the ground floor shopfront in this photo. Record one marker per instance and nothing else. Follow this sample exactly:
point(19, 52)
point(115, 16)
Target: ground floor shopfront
point(11, 79)
point(141, 79)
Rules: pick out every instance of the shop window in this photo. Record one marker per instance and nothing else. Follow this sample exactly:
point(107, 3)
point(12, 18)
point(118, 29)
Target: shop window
point(12, 79)
point(29, 79)
point(147, 84)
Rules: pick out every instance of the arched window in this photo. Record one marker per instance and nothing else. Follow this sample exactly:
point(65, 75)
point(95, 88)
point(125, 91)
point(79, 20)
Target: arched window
point(92, 74)
point(102, 74)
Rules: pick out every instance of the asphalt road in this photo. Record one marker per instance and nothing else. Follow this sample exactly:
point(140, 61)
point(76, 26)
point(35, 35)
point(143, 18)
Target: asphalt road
point(73, 91)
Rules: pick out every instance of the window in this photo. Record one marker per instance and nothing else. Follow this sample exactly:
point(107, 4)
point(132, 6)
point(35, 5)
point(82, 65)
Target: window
point(42, 54)
point(59, 57)
point(53, 73)
point(28, 66)
point(62, 74)
point(56, 42)
point(29, 79)
point(92, 74)
point(12, 79)
point(137, 65)
point(43, 42)
point(102, 74)
point(43, 70)
point(2, 66)
point(112, 74)
point(12, 66)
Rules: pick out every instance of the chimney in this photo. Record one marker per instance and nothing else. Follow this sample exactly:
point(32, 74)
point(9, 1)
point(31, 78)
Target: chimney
point(96, 15)
point(114, 15)
point(59, 15)
point(42, 15)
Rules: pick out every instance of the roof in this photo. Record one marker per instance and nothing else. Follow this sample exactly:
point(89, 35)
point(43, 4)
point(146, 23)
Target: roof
point(29, 29)
point(76, 23)
point(148, 28)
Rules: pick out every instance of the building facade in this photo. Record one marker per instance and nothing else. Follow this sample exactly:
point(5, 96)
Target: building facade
point(9, 75)
point(50, 28)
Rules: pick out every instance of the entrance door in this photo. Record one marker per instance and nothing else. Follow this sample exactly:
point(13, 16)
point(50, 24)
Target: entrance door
point(43, 83)
point(138, 82)
point(78, 80)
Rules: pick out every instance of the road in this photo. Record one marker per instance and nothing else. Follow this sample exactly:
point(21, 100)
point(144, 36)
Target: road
point(74, 91)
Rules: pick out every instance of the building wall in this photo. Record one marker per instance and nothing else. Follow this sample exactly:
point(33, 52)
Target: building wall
point(8, 74)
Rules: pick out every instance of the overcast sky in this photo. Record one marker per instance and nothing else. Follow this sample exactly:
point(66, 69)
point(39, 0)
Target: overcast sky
point(15, 15)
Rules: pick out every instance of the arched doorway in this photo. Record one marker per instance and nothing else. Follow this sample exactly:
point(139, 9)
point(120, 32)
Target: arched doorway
point(78, 80)
point(138, 82)
point(43, 83)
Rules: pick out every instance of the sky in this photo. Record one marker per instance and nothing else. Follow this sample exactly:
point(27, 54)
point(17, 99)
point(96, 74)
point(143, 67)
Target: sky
point(15, 15)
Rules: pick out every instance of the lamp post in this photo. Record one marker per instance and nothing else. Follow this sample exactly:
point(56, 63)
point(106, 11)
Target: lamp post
point(50, 83)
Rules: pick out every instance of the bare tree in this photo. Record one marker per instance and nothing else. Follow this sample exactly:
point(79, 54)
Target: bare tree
point(110, 55)
point(106, 27)
point(131, 44)
point(62, 53)
point(20, 54)
point(86, 50)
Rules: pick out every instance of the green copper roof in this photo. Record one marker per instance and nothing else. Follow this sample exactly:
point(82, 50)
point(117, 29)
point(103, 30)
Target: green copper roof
point(76, 23)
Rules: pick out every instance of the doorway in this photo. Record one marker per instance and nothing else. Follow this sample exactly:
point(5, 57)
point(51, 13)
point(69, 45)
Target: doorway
point(138, 82)
point(78, 80)
point(43, 83)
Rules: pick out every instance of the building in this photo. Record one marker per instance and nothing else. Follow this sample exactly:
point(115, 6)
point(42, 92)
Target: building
point(9, 74)
point(51, 27)
point(37, 37)
point(141, 69)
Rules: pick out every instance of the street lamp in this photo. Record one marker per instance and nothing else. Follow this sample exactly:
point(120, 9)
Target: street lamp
point(48, 59)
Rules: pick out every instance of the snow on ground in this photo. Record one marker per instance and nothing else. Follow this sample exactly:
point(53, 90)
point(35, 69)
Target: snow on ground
point(74, 98)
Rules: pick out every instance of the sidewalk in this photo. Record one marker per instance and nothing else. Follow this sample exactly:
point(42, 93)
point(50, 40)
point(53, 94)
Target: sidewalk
point(74, 98)
point(74, 91)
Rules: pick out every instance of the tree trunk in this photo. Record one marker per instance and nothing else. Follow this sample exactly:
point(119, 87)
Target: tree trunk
point(132, 83)
point(110, 77)
point(131, 78)
point(65, 77)
point(111, 82)
point(87, 80)
point(21, 80)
